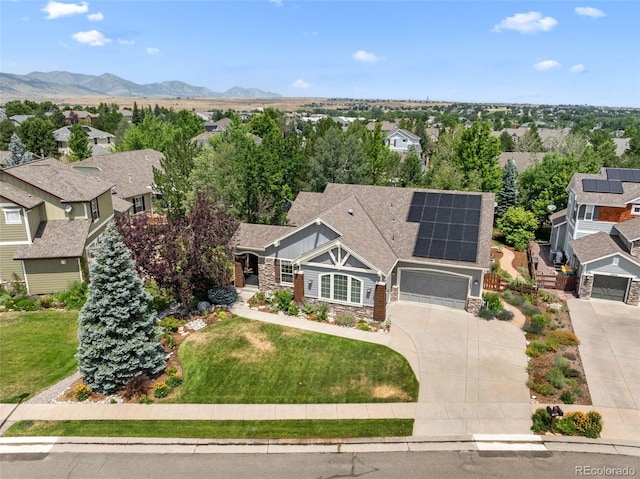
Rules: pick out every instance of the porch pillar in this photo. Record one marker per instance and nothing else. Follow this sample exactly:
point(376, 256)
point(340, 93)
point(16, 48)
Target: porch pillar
point(238, 276)
point(298, 287)
point(380, 302)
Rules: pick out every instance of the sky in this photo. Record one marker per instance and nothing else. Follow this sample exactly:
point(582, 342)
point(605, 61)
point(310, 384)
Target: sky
point(514, 51)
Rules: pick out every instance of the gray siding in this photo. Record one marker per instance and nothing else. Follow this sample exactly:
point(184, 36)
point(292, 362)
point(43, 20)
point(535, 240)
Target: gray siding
point(474, 274)
point(313, 274)
point(606, 266)
point(585, 228)
point(302, 242)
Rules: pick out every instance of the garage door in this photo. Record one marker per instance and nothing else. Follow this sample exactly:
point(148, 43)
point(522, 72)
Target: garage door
point(434, 288)
point(613, 288)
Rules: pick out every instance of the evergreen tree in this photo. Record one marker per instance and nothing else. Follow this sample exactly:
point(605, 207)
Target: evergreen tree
point(18, 154)
point(506, 142)
point(7, 128)
point(79, 143)
point(119, 339)
point(508, 195)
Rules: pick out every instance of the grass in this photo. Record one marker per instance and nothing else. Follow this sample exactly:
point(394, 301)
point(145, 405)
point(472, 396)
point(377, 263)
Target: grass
point(36, 351)
point(317, 428)
point(243, 361)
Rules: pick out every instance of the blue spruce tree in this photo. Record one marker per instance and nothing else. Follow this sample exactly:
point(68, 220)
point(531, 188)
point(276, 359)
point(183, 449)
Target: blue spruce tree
point(119, 337)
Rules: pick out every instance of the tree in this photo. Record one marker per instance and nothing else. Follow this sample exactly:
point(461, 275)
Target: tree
point(508, 195)
point(531, 141)
point(137, 115)
point(37, 135)
point(7, 129)
point(118, 334)
point(411, 170)
point(604, 147)
point(518, 226)
point(506, 142)
point(478, 151)
point(79, 143)
point(18, 154)
point(151, 132)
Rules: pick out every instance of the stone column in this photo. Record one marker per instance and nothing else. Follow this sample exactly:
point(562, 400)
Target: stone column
point(298, 287)
point(394, 293)
point(633, 298)
point(584, 289)
point(474, 305)
point(266, 273)
point(238, 274)
point(380, 302)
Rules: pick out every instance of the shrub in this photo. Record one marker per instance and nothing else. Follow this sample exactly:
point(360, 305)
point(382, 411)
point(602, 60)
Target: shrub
point(145, 400)
point(46, 301)
point(551, 344)
point(541, 420)
point(137, 387)
point(323, 311)
point(82, 392)
point(493, 301)
point(161, 298)
point(293, 309)
point(595, 424)
point(363, 325)
point(222, 315)
point(529, 309)
point(556, 377)
point(540, 320)
point(566, 426)
point(541, 388)
point(74, 296)
point(258, 299)
point(308, 308)
point(565, 338)
point(535, 349)
point(589, 424)
point(566, 397)
point(346, 320)
point(485, 313)
point(174, 380)
point(529, 327)
point(283, 299)
point(222, 295)
point(26, 304)
point(170, 324)
point(512, 298)
point(562, 364)
point(505, 315)
point(161, 390)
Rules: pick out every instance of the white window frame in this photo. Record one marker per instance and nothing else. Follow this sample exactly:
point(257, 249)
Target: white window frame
point(95, 212)
point(635, 209)
point(135, 204)
point(350, 282)
point(285, 263)
point(8, 212)
point(588, 212)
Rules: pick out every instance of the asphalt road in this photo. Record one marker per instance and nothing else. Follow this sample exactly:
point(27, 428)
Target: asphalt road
point(432, 465)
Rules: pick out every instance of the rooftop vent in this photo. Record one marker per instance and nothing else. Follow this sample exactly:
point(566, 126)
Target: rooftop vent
point(350, 211)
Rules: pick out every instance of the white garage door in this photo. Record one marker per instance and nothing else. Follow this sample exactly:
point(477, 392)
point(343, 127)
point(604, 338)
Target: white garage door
point(434, 288)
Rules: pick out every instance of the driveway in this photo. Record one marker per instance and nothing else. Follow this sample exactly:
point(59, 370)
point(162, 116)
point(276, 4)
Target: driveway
point(609, 334)
point(472, 372)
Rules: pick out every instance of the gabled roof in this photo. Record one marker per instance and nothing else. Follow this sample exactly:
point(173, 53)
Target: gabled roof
point(558, 217)
point(56, 239)
point(258, 237)
point(631, 191)
point(19, 197)
point(522, 159)
point(404, 133)
point(130, 171)
point(629, 229)
point(63, 134)
point(59, 180)
point(597, 246)
point(384, 125)
point(305, 202)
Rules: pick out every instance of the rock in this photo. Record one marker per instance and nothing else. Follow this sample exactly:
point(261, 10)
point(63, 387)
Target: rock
point(204, 307)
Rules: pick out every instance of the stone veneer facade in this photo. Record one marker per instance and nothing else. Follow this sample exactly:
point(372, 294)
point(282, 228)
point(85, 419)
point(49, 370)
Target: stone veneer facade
point(267, 273)
point(586, 284)
point(633, 298)
point(474, 305)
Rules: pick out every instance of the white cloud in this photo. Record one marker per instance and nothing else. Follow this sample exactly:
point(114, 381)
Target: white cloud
point(547, 65)
point(59, 9)
point(122, 41)
point(300, 83)
point(365, 57)
point(577, 68)
point(530, 22)
point(92, 38)
point(153, 51)
point(278, 3)
point(95, 17)
point(590, 12)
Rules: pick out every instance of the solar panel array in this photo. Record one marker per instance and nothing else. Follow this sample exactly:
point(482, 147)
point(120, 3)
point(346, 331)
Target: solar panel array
point(632, 176)
point(449, 225)
point(602, 186)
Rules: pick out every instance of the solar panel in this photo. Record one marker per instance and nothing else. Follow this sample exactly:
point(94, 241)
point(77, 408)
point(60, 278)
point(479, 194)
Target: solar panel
point(624, 174)
point(449, 225)
point(602, 186)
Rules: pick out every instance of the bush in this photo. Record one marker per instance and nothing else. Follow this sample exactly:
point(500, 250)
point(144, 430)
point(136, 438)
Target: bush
point(283, 299)
point(551, 344)
point(540, 320)
point(26, 304)
point(589, 424)
point(536, 349)
point(513, 298)
point(258, 299)
point(363, 326)
point(323, 311)
point(293, 309)
point(74, 296)
point(174, 380)
point(82, 392)
point(529, 309)
point(562, 364)
point(566, 426)
point(566, 397)
point(308, 308)
point(505, 315)
point(46, 301)
point(161, 298)
point(222, 295)
point(487, 314)
point(595, 424)
point(565, 338)
point(493, 301)
point(346, 320)
point(541, 420)
point(541, 388)
point(145, 400)
point(556, 377)
point(170, 324)
point(137, 387)
point(161, 390)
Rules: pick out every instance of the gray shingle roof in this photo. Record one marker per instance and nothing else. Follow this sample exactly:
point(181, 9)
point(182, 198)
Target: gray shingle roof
point(631, 191)
point(59, 180)
point(258, 236)
point(598, 245)
point(558, 217)
point(130, 171)
point(63, 134)
point(56, 239)
point(630, 229)
point(522, 159)
point(19, 197)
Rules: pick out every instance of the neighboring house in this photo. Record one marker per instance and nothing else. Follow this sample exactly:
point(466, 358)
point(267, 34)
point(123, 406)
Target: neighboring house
point(521, 159)
point(385, 126)
point(132, 174)
point(126, 113)
point(20, 119)
point(99, 141)
point(75, 116)
point(51, 215)
point(599, 234)
point(403, 141)
point(359, 247)
point(3, 157)
point(622, 145)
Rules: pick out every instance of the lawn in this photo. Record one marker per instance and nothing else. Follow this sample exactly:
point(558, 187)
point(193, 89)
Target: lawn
point(36, 351)
point(243, 361)
point(318, 428)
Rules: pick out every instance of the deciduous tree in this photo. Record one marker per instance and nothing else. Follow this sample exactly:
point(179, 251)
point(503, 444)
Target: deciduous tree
point(79, 143)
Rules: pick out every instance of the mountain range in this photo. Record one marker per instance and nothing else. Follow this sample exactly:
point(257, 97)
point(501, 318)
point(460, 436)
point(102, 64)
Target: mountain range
point(61, 84)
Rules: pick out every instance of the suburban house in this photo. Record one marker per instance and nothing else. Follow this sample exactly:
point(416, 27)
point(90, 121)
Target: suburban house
point(99, 141)
point(522, 159)
point(131, 173)
point(51, 215)
point(358, 247)
point(403, 141)
point(598, 235)
point(75, 116)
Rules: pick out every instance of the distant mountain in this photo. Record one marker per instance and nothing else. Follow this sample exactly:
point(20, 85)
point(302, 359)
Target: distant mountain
point(57, 83)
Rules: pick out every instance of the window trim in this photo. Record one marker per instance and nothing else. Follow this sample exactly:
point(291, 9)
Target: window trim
point(8, 211)
point(635, 209)
point(350, 280)
point(286, 262)
point(95, 214)
point(135, 206)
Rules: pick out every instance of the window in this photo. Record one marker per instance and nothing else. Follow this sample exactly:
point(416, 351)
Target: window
point(589, 213)
point(340, 287)
point(635, 209)
point(138, 204)
point(12, 216)
point(286, 271)
point(95, 214)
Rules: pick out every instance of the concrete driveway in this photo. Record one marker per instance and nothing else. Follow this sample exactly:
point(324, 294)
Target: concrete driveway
point(472, 372)
point(609, 334)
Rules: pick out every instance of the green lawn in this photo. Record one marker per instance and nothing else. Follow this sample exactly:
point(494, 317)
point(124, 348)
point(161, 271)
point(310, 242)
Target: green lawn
point(243, 361)
point(36, 351)
point(321, 428)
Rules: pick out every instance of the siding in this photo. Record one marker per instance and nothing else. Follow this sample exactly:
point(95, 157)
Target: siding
point(35, 216)
point(50, 275)
point(605, 265)
point(585, 228)
point(615, 215)
point(302, 242)
point(310, 273)
point(12, 232)
point(105, 209)
point(7, 265)
point(475, 274)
